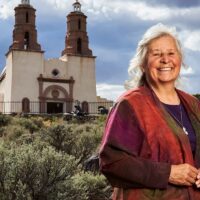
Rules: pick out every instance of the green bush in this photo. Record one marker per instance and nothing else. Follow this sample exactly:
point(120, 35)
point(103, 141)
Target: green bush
point(90, 187)
point(15, 132)
point(29, 124)
point(61, 137)
point(33, 172)
point(2, 130)
point(87, 141)
point(5, 120)
point(38, 121)
point(48, 165)
point(86, 186)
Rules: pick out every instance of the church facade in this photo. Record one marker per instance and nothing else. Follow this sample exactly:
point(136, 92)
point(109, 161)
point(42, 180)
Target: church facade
point(30, 83)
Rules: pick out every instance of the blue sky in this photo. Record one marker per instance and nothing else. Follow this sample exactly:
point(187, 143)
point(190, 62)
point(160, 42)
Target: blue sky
point(114, 29)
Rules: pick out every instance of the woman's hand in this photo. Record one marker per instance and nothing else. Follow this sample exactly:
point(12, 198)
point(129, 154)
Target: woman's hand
point(198, 179)
point(184, 174)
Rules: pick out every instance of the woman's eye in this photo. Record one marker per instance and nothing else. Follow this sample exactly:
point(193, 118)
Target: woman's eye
point(156, 54)
point(171, 53)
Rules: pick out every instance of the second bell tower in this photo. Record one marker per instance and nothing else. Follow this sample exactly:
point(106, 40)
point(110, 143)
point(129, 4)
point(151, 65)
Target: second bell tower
point(76, 41)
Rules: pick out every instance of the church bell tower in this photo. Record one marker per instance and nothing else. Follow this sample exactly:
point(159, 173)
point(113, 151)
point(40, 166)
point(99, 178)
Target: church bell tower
point(25, 33)
point(76, 40)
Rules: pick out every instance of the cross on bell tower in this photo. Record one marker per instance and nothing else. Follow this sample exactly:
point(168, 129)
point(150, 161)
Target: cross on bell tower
point(25, 33)
point(76, 40)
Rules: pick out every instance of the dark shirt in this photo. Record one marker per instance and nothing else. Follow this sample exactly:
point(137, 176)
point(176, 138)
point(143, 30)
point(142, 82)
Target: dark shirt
point(175, 111)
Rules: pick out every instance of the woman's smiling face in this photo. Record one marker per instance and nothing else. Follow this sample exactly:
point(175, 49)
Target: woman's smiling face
point(163, 61)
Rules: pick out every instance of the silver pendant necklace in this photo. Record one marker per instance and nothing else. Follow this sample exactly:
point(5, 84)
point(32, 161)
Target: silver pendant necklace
point(180, 123)
point(183, 127)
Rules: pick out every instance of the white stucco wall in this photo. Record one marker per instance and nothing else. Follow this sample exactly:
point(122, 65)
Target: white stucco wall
point(27, 66)
point(8, 79)
point(58, 64)
point(2, 87)
point(83, 71)
point(6, 85)
point(1, 102)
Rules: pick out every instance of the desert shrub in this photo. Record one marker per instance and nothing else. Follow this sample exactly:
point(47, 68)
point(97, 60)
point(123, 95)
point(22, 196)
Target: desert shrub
point(34, 173)
point(19, 135)
point(38, 121)
point(14, 132)
point(87, 186)
point(87, 142)
point(80, 141)
point(61, 137)
point(5, 120)
point(2, 130)
point(51, 118)
point(29, 124)
point(49, 163)
point(100, 120)
point(3, 167)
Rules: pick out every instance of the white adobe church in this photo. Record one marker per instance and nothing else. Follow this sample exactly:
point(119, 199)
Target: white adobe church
point(52, 84)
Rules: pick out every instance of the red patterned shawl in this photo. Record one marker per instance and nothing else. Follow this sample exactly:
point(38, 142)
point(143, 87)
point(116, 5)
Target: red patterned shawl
point(142, 141)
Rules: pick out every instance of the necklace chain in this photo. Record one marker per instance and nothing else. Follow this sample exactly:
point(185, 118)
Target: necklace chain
point(177, 120)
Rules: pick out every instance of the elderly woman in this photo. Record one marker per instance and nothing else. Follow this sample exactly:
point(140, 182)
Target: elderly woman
point(151, 145)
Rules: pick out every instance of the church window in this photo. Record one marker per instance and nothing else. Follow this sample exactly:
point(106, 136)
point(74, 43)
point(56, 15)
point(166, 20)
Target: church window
point(25, 105)
point(79, 45)
point(26, 40)
point(27, 17)
point(55, 73)
point(79, 24)
point(85, 107)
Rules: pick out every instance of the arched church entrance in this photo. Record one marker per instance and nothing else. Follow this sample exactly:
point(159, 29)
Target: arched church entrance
point(55, 107)
point(56, 100)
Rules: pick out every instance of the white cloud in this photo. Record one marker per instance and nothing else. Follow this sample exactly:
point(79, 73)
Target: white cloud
point(6, 8)
point(109, 91)
point(58, 4)
point(46, 6)
point(101, 9)
point(111, 9)
point(143, 11)
point(191, 39)
point(188, 71)
point(111, 54)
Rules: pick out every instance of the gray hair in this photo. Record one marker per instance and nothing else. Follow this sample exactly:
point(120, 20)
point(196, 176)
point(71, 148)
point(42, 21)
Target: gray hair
point(137, 77)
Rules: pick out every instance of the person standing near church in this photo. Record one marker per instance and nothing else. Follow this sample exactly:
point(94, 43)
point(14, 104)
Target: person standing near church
point(151, 145)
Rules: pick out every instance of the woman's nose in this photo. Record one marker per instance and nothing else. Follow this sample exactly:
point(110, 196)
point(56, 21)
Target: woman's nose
point(164, 58)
